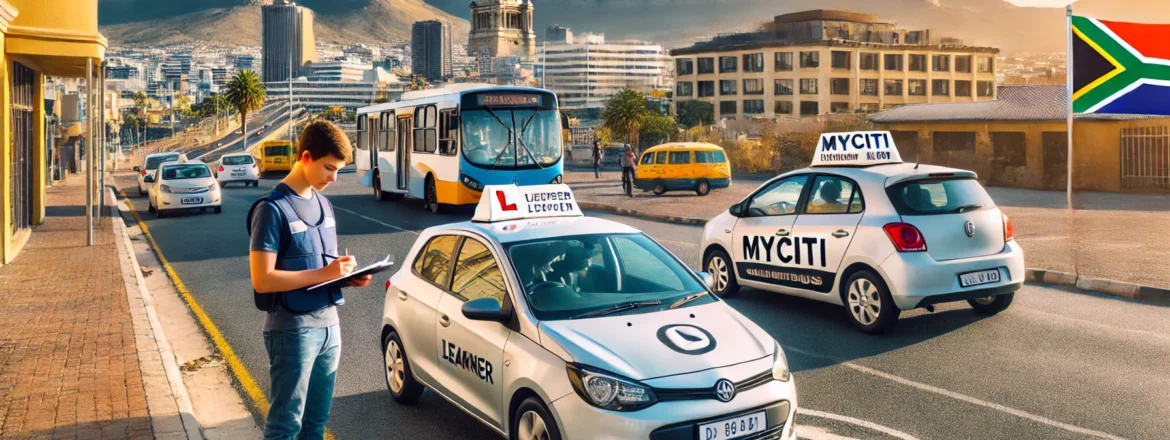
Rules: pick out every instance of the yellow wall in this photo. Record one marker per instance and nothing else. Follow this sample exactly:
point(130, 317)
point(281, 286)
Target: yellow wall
point(7, 251)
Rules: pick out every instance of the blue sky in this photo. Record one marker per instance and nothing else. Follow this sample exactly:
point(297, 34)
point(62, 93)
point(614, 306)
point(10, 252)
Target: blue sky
point(1047, 3)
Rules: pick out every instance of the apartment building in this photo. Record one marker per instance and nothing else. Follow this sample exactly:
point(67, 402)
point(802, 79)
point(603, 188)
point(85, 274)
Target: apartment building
point(819, 62)
point(588, 71)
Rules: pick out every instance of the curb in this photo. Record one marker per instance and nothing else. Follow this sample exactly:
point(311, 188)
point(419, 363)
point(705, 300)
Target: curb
point(1031, 276)
point(174, 377)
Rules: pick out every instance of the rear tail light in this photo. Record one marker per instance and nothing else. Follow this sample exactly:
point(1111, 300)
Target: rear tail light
point(387, 285)
point(143, 172)
point(906, 237)
point(1009, 232)
point(221, 168)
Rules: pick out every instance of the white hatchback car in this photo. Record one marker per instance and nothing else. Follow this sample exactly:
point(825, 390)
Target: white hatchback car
point(237, 167)
point(860, 228)
point(184, 185)
point(150, 164)
point(575, 327)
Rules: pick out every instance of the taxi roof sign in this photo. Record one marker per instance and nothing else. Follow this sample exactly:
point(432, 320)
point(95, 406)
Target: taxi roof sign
point(510, 202)
point(855, 148)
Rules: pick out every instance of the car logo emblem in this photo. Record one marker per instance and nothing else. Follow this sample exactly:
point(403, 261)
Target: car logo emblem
point(969, 228)
point(686, 339)
point(515, 180)
point(724, 390)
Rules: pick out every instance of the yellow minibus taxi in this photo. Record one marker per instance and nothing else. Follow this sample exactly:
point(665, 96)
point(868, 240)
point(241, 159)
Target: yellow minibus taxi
point(276, 155)
point(685, 166)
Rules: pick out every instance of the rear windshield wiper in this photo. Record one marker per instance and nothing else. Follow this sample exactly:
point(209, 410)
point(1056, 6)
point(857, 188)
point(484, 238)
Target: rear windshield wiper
point(966, 208)
point(618, 308)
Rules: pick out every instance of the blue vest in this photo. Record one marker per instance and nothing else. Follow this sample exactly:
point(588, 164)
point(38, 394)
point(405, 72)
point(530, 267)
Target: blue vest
point(302, 247)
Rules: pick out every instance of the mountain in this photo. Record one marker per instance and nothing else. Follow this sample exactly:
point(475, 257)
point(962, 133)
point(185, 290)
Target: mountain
point(237, 22)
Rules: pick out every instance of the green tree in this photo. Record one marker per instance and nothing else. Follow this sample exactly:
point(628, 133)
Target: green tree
point(656, 128)
point(624, 114)
point(692, 113)
point(141, 100)
point(245, 94)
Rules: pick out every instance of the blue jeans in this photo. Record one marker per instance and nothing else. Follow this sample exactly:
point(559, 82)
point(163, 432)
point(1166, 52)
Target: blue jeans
point(302, 369)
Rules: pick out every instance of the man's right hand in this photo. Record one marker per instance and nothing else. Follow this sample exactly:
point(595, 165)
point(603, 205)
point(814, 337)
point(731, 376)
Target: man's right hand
point(341, 267)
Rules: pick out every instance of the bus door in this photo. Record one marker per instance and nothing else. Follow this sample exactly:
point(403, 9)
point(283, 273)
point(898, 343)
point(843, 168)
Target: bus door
point(405, 145)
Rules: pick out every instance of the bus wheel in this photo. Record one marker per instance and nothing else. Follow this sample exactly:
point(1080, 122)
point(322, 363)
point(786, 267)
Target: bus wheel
point(659, 189)
point(703, 188)
point(430, 196)
point(378, 193)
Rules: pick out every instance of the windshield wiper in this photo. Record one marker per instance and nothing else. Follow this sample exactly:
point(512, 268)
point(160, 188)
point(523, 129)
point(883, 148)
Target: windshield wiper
point(966, 208)
point(688, 299)
point(618, 308)
point(511, 136)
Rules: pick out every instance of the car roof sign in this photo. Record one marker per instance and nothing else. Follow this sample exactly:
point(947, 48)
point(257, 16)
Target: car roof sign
point(857, 148)
point(510, 202)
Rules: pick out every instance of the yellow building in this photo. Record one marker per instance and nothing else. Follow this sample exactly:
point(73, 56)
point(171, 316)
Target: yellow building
point(819, 62)
point(37, 38)
point(1021, 140)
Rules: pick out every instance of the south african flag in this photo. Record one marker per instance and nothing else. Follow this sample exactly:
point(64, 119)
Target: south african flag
point(1120, 67)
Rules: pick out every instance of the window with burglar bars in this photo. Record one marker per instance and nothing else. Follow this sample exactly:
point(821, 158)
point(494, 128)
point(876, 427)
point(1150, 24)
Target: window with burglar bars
point(22, 146)
point(1145, 158)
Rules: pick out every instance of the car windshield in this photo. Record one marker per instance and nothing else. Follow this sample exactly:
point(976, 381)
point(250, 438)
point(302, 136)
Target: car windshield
point(568, 277)
point(511, 138)
point(181, 172)
point(939, 196)
point(237, 160)
point(152, 162)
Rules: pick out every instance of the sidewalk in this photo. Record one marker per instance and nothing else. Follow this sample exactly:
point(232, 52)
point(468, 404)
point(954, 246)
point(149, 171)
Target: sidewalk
point(78, 355)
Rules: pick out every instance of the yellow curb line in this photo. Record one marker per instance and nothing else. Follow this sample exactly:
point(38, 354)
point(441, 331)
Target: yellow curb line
point(234, 364)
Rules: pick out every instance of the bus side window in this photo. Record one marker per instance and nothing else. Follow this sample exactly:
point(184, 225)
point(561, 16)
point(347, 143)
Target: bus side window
point(363, 137)
point(425, 136)
point(647, 158)
point(448, 130)
point(385, 142)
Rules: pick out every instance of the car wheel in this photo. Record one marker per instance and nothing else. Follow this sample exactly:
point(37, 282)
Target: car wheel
point(703, 188)
point(140, 193)
point(868, 303)
point(399, 379)
point(992, 304)
point(430, 196)
point(150, 207)
point(218, 209)
point(659, 189)
point(532, 421)
point(718, 264)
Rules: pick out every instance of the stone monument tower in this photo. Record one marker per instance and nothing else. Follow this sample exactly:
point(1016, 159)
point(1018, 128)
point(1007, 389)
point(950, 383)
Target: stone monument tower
point(502, 28)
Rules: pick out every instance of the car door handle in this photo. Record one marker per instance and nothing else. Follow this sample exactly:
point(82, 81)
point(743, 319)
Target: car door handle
point(444, 321)
point(782, 233)
point(841, 233)
point(402, 295)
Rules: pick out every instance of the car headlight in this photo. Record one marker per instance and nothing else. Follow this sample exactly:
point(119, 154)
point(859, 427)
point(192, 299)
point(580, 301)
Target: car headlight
point(470, 183)
point(780, 365)
point(607, 391)
point(165, 189)
point(556, 179)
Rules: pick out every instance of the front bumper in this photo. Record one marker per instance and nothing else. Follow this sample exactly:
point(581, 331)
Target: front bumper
point(680, 419)
point(917, 280)
point(169, 201)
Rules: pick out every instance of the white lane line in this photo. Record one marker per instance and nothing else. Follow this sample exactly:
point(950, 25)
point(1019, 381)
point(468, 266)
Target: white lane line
point(962, 397)
point(840, 418)
point(680, 243)
point(376, 221)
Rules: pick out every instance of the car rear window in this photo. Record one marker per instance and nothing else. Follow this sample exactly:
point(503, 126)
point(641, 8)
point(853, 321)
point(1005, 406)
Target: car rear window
point(276, 151)
point(938, 196)
point(237, 160)
point(152, 163)
point(180, 172)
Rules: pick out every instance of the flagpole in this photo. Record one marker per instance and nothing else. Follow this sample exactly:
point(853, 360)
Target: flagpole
point(1069, 82)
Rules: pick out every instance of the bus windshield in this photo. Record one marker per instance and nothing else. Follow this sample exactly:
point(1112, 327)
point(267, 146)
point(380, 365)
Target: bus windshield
point(511, 138)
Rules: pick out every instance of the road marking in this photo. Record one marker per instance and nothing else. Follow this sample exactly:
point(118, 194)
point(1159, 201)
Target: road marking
point(961, 397)
point(680, 243)
point(237, 367)
point(1097, 324)
point(377, 221)
point(862, 423)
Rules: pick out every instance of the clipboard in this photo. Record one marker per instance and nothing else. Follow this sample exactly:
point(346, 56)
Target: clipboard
point(374, 268)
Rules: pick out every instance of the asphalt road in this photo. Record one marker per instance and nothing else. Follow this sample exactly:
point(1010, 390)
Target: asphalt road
point(273, 115)
point(1056, 365)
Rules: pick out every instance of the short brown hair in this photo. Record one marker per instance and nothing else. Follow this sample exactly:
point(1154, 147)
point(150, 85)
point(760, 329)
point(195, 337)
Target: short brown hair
point(321, 138)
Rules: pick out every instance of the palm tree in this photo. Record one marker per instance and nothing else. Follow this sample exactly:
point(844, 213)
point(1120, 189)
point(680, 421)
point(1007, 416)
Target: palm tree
point(246, 94)
point(624, 114)
point(140, 100)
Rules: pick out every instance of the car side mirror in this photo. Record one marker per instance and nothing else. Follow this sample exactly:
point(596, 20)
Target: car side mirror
point(485, 309)
point(736, 209)
point(137, 169)
point(708, 279)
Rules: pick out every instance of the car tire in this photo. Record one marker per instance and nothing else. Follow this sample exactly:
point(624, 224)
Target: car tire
point(868, 303)
point(255, 183)
point(703, 188)
point(140, 193)
point(993, 304)
point(218, 209)
point(430, 196)
point(532, 421)
point(398, 373)
point(718, 264)
point(659, 188)
point(150, 208)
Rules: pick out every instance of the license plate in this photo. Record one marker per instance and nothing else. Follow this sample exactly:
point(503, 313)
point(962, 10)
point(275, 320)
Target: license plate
point(976, 278)
point(734, 427)
point(192, 200)
point(277, 160)
point(238, 174)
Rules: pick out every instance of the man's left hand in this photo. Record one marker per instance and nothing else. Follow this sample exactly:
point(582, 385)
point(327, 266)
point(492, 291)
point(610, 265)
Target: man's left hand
point(361, 281)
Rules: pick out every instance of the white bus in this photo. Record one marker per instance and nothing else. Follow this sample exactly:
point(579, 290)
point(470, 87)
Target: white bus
point(444, 145)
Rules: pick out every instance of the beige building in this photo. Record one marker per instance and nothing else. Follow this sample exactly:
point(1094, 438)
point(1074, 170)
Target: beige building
point(819, 62)
point(501, 28)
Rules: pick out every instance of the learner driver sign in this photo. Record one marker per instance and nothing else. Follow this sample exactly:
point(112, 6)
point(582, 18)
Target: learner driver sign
point(511, 202)
point(856, 148)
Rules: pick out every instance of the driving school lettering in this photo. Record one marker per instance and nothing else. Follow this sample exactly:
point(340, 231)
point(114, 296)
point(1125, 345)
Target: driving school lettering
point(456, 355)
point(788, 250)
point(856, 148)
point(557, 201)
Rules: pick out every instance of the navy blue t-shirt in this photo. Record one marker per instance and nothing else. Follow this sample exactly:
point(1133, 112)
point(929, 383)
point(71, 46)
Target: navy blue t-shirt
point(267, 224)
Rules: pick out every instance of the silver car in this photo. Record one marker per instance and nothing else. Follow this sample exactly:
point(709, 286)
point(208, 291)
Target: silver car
point(578, 327)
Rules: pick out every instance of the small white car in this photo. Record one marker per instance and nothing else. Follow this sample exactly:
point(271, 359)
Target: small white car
point(544, 324)
point(237, 167)
point(149, 165)
point(862, 229)
point(184, 185)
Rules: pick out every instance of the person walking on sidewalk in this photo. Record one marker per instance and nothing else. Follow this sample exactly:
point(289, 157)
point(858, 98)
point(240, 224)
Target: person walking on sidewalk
point(597, 155)
point(294, 246)
point(629, 161)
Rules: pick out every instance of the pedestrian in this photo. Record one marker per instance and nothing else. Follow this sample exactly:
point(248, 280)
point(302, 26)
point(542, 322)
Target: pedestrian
point(629, 161)
point(597, 155)
point(294, 246)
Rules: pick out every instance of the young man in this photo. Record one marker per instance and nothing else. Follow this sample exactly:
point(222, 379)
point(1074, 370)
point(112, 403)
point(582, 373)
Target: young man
point(597, 155)
point(294, 247)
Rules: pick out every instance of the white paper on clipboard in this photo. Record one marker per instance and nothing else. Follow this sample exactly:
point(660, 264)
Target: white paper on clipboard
point(371, 269)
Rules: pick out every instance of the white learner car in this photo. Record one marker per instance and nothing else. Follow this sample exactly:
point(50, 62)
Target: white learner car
point(544, 324)
point(149, 165)
point(862, 229)
point(184, 185)
point(237, 167)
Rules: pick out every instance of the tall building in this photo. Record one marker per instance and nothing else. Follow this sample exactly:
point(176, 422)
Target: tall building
point(502, 28)
point(558, 34)
point(817, 62)
point(347, 70)
point(588, 72)
point(287, 31)
point(430, 49)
